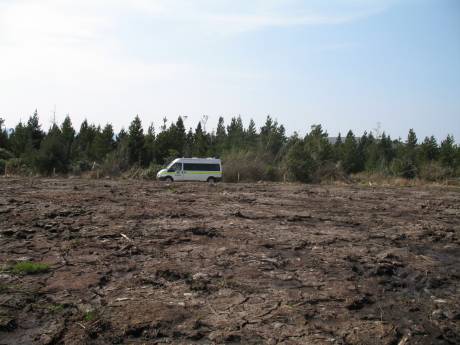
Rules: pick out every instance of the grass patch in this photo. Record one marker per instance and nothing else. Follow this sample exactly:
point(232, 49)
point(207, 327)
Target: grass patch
point(56, 308)
point(27, 267)
point(89, 315)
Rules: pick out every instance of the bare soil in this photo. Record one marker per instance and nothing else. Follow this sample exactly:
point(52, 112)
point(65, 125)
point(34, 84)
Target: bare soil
point(137, 262)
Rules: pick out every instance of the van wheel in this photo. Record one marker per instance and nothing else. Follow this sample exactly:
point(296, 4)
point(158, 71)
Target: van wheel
point(211, 180)
point(169, 179)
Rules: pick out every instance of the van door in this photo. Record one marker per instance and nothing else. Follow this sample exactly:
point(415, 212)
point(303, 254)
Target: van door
point(177, 173)
point(188, 172)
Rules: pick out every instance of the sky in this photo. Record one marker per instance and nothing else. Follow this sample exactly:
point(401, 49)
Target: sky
point(346, 64)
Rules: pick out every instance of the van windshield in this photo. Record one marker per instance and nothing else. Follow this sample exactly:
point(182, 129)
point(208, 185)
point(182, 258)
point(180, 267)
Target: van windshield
point(169, 165)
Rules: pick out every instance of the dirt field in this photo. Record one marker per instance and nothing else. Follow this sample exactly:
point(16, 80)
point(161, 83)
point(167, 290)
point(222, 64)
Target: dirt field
point(135, 262)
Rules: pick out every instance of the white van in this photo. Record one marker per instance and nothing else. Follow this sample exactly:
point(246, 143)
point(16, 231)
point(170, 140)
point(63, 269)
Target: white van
point(192, 169)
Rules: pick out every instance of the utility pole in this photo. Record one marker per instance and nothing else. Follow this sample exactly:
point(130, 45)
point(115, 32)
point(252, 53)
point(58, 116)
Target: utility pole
point(53, 119)
point(204, 120)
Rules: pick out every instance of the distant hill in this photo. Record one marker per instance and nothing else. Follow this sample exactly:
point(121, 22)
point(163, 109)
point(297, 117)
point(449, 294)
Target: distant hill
point(332, 140)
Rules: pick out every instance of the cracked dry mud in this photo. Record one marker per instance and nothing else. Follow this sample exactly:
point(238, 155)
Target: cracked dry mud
point(136, 262)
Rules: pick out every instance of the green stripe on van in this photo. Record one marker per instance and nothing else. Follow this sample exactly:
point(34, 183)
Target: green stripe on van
point(203, 172)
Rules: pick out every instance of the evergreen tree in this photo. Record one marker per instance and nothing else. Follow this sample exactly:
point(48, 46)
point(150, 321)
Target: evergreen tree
point(179, 136)
point(299, 163)
point(351, 157)
point(272, 136)
point(251, 135)
point(34, 132)
point(363, 149)
point(68, 137)
point(19, 139)
point(221, 136)
point(52, 154)
point(411, 142)
point(317, 144)
point(121, 136)
point(149, 145)
point(200, 145)
point(408, 168)
point(84, 141)
point(338, 149)
point(135, 141)
point(189, 143)
point(386, 150)
point(104, 142)
point(447, 152)
point(235, 133)
point(3, 135)
point(429, 150)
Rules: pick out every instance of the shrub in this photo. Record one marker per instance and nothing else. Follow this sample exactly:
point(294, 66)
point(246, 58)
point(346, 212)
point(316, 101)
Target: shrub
point(151, 172)
point(27, 267)
point(403, 168)
point(17, 166)
point(298, 163)
point(5, 154)
point(330, 171)
point(2, 166)
point(272, 173)
point(115, 163)
point(434, 171)
point(247, 165)
point(79, 167)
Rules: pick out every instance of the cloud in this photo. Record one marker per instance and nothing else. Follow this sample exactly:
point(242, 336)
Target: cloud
point(76, 52)
point(238, 16)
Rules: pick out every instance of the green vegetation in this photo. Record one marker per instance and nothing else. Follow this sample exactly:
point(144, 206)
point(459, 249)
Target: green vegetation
point(56, 308)
point(90, 315)
point(248, 153)
point(27, 267)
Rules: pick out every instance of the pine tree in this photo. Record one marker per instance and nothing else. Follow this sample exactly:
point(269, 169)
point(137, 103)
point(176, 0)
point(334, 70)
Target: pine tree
point(408, 161)
point(447, 152)
point(221, 136)
point(200, 145)
point(68, 137)
point(84, 141)
point(251, 135)
point(179, 136)
point(3, 135)
point(135, 141)
point(272, 136)
point(121, 136)
point(429, 150)
point(149, 145)
point(235, 133)
point(411, 141)
point(317, 145)
point(52, 154)
point(34, 132)
point(19, 139)
point(104, 142)
point(386, 150)
point(298, 162)
point(338, 149)
point(189, 143)
point(351, 159)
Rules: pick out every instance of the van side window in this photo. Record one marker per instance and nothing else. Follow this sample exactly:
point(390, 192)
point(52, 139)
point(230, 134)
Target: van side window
point(201, 167)
point(175, 167)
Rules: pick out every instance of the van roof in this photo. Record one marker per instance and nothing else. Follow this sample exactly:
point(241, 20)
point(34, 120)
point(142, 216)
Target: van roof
point(197, 160)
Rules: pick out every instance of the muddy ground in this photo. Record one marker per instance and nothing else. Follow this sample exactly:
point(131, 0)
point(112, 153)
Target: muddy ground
point(136, 262)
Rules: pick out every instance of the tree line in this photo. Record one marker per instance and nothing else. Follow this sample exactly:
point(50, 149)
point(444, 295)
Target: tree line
point(248, 153)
